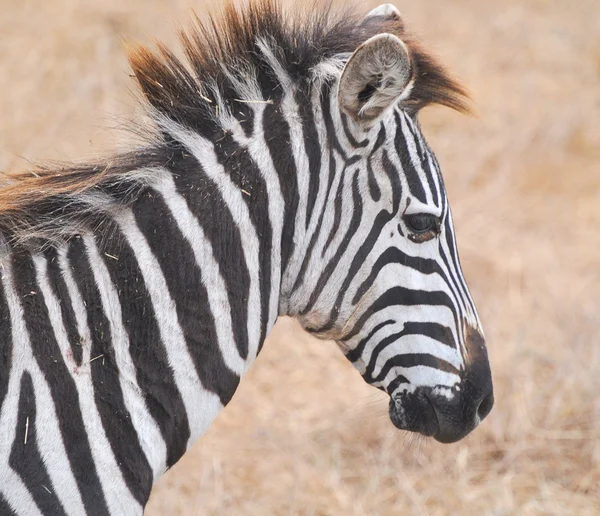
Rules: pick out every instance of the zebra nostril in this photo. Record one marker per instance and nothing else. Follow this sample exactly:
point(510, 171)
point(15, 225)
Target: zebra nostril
point(485, 406)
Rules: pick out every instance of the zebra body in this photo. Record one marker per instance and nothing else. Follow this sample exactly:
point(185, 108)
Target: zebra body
point(133, 301)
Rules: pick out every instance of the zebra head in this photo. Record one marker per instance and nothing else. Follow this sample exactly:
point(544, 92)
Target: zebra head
point(382, 276)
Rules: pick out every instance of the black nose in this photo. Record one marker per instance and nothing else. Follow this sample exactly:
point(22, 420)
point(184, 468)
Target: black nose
point(463, 412)
point(446, 419)
point(459, 416)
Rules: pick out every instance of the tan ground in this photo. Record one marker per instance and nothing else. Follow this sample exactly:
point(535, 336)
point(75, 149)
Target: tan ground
point(303, 434)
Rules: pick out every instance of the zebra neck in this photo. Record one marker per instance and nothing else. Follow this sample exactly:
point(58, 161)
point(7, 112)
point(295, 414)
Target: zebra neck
point(136, 333)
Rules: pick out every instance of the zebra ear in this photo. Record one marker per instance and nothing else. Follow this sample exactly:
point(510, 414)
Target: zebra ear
point(377, 75)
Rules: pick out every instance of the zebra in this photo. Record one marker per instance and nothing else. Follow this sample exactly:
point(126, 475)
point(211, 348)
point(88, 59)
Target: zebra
point(285, 174)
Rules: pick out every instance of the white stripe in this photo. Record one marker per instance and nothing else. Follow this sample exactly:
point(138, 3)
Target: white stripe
point(201, 405)
point(451, 273)
point(420, 376)
point(149, 434)
point(321, 204)
point(50, 439)
point(470, 309)
point(435, 178)
point(216, 288)
point(291, 115)
point(16, 494)
point(435, 175)
point(400, 315)
point(203, 150)
point(414, 156)
point(116, 493)
point(314, 271)
point(52, 449)
point(399, 274)
point(11, 486)
point(259, 152)
point(419, 345)
point(344, 176)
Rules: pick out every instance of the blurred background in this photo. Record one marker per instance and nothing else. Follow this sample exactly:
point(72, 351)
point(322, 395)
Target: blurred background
point(304, 435)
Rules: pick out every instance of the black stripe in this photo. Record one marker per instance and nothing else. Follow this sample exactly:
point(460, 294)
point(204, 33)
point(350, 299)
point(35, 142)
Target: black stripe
point(395, 383)
point(317, 232)
point(116, 420)
point(401, 296)
point(435, 331)
point(6, 345)
point(337, 211)
point(153, 372)
point(380, 140)
point(408, 168)
point(394, 178)
point(443, 194)
point(423, 152)
point(453, 262)
point(246, 175)
point(413, 360)
point(338, 201)
point(278, 140)
point(59, 288)
point(451, 279)
point(395, 255)
point(313, 150)
point(354, 354)
point(25, 458)
point(5, 509)
point(184, 280)
point(329, 126)
point(351, 139)
point(206, 203)
point(432, 330)
point(335, 259)
point(245, 116)
point(374, 189)
point(381, 345)
point(62, 386)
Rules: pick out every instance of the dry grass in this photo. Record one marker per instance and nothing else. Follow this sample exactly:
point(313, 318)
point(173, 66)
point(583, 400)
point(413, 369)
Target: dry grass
point(303, 434)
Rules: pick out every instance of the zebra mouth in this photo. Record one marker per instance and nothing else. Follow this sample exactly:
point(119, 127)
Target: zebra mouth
point(414, 413)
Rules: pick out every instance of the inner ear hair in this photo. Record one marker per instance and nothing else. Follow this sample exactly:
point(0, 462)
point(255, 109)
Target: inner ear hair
point(369, 90)
point(376, 76)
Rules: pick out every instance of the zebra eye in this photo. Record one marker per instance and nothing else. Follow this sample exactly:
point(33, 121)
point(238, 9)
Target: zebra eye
point(422, 225)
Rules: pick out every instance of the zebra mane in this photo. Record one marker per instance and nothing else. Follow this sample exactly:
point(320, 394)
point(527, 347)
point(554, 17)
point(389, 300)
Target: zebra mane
point(231, 61)
point(235, 58)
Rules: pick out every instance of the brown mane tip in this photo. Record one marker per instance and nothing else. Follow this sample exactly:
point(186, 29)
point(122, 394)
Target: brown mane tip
point(434, 85)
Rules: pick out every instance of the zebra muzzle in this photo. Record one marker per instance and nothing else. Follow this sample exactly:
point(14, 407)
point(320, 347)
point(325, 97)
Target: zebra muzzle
point(447, 414)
